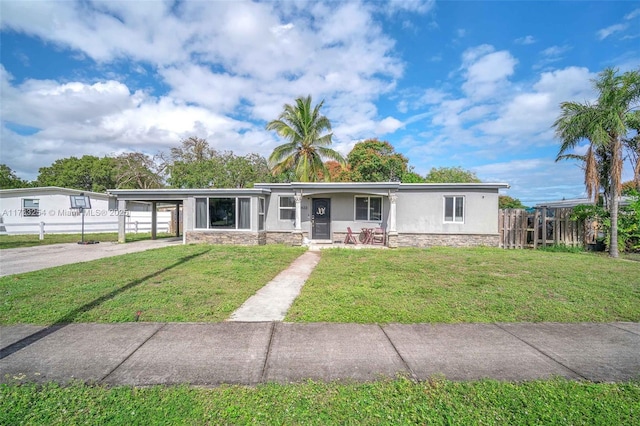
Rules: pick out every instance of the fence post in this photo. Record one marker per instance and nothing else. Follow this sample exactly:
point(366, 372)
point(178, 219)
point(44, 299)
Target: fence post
point(41, 230)
point(136, 227)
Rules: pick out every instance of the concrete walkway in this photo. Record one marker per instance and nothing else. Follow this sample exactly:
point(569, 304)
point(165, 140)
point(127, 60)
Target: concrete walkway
point(210, 354)
point(28, 259)
point(272, 301)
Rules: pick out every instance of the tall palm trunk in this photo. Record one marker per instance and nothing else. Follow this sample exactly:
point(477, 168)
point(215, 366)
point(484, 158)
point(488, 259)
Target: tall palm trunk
point(616, 183)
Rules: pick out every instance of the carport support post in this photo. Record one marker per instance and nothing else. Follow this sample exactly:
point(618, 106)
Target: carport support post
point(392, 235)
point(297, 233)
point(177, 219)
point(122, 225)
point(298, 199)
point(154, 220)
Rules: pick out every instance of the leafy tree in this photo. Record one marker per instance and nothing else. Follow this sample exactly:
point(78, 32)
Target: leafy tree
point(596, 166)
point(412, 177)
point(194, 164)
point(603, 124)
point(373, 160)
point(88, 173)
point(507, 202)
point(628, 187)
point(9, 179)
point(135, 170)
point(242, 171)
point(451, 175)
point(628, 221)
point(192, 149)
point(338, 172)
point(308, 144)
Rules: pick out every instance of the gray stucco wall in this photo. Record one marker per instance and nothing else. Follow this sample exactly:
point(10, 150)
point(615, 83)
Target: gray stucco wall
point(423, 212)
point(342, 213)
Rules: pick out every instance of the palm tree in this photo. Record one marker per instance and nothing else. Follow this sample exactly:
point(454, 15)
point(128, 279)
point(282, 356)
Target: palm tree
point(604, 124)
point(303, 155)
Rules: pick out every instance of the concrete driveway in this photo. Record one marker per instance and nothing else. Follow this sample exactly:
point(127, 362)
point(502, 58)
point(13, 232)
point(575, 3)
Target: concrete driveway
point(27, 259)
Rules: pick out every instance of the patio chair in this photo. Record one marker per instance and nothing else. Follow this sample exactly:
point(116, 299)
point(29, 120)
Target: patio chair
point(350, 238)
point(378, 236)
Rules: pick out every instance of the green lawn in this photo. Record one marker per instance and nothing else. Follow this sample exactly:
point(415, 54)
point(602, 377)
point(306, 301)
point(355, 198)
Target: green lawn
point(449, 285)
point(17, 241)
point(438, 402)
point(439, 285)
point(179, 283)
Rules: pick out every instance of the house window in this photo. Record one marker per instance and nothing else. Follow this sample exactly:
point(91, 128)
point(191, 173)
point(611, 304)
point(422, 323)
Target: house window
point(454, 209)
point(223, 213)
point(287, 207)
point(260, 214)
point(30, 207)
point(369, 208)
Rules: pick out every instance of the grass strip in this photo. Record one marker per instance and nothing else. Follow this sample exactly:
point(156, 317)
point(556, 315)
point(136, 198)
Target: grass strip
point(400, 401)
point(456, 285)
point(192, 283)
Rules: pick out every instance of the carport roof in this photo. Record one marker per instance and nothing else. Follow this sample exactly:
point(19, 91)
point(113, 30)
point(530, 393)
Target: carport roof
point(181, 194)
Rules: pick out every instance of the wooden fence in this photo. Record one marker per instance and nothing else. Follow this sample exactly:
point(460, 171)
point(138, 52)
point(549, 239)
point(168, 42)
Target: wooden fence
point(522, 229)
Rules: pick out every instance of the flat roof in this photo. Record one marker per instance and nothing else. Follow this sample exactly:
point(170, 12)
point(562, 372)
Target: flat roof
point(308, 187)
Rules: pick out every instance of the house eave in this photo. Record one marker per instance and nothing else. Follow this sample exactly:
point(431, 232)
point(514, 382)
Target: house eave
point(180, 194)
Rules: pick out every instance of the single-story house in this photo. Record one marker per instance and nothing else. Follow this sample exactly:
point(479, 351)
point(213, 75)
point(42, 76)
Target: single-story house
point(48, 209)
point(458, 214)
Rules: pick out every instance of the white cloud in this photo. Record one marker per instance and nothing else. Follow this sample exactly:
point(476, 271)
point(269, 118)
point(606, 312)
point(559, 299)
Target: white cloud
point(633, 14)
point(486, 71)
point(555, 51)
point(218, 59)
point(104, 118)
point(418, 6)
point(388, 125)
point(530, 115)
point(612, 29)
point(525, 40)
point(550, 55)
point(559, 179)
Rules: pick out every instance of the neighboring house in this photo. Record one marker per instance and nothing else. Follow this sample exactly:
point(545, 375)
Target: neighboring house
point(573, 202)
point(418, 215)
point(27, 210)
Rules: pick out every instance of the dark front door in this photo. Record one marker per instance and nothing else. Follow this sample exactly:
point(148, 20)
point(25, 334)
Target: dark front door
point(321, 219)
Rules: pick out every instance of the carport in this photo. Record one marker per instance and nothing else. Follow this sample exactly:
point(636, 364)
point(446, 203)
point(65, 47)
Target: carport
point(155, 197)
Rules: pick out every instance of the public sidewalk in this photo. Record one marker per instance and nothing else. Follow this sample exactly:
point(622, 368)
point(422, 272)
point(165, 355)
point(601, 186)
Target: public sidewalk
point(210, 354)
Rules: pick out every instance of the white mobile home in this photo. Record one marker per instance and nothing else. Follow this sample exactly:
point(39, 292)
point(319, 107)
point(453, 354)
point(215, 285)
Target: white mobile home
point(30, 210)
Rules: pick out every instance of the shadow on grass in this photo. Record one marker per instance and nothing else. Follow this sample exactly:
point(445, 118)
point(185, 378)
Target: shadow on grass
point(71, 316)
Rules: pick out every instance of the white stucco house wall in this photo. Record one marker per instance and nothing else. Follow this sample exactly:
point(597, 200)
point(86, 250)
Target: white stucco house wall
point(411, 215)
point(28, 210)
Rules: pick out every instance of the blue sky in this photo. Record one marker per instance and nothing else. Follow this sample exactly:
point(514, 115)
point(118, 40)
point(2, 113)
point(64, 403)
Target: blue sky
point(451, 83)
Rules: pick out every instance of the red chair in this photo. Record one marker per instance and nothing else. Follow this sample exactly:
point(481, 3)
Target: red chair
point(350, 238)
point(377, 237)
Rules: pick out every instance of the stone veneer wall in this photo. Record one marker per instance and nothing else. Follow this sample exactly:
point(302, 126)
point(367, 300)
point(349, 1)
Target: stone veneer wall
point(227, 237)
point(449, 240)
point(286, 237)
